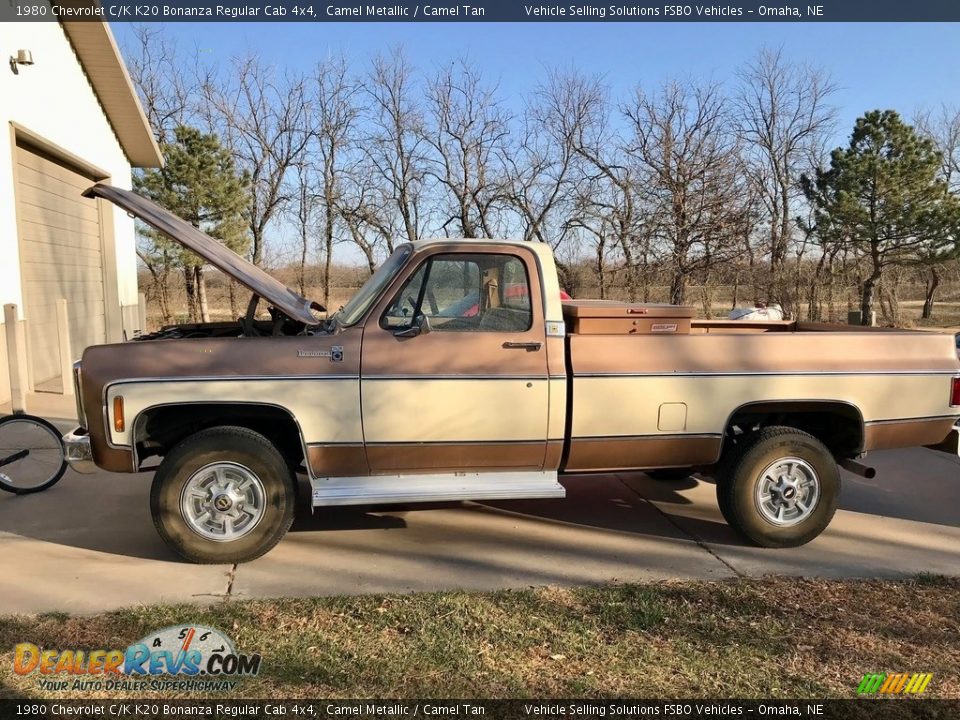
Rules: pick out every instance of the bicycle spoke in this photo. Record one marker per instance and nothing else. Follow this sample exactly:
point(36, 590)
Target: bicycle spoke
point(13, 458)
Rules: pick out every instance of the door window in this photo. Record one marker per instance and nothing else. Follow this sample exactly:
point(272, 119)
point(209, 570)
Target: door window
point(465, 293)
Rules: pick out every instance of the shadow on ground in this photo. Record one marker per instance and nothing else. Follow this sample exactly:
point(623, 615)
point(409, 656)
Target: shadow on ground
point(110, 513)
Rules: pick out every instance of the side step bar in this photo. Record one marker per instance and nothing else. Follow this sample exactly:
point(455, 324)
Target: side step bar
point(382, 489)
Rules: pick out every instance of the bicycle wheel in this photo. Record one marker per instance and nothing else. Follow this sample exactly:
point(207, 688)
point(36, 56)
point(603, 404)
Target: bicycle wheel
point(31, 454)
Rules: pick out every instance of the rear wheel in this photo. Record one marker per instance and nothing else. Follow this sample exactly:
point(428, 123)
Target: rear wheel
point(779, 488)
point(224, 495)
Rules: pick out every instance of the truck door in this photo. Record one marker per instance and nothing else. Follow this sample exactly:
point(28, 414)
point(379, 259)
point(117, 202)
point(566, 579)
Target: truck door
point(454, 368)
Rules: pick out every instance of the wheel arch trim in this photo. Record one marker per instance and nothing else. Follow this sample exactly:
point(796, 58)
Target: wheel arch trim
point(143, 413)
point(789, 405)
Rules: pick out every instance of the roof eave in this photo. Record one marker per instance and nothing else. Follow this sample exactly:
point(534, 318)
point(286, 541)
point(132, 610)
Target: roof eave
point(100, 57)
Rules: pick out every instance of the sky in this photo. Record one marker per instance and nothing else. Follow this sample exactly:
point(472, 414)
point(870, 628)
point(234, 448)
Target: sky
point(904, 67)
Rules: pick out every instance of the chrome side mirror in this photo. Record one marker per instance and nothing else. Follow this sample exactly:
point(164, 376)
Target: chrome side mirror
point(420, 326)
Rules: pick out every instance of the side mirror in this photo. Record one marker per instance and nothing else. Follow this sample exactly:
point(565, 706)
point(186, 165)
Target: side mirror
point(420, 326)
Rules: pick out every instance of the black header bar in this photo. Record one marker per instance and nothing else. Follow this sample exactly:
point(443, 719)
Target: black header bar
point(482, 11)
point(542, 709)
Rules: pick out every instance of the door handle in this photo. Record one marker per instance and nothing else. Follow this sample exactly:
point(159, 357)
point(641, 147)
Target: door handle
point(528, 346)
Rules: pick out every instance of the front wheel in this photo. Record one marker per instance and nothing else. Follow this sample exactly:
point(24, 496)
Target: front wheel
point(780, 488)
point(224, 495)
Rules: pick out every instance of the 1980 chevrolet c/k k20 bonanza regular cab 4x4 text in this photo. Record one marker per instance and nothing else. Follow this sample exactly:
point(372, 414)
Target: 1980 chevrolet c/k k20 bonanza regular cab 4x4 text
point(457, 372)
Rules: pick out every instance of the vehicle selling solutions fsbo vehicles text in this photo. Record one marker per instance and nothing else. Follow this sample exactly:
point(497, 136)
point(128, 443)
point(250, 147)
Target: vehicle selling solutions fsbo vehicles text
point(666, 11)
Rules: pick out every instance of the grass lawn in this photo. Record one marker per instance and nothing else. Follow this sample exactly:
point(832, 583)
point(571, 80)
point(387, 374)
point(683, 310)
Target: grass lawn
point(775, 638)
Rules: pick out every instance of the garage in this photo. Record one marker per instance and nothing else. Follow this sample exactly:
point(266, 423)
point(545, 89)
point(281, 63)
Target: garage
point(68, 265)
point(61, 256)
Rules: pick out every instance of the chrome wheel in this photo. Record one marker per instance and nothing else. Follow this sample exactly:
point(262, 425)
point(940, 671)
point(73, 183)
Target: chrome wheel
point(222, 501)
point(788, 491)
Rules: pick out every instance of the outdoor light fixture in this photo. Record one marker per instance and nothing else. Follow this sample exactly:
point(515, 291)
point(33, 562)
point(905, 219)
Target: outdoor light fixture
point(23, 57)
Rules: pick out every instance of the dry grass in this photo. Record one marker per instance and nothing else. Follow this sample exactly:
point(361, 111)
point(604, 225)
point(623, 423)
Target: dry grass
point(772, 637)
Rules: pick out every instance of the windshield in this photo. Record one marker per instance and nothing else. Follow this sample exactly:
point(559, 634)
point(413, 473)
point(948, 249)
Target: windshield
point(357, 306)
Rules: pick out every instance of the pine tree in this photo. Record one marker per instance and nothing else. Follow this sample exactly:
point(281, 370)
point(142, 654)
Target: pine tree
point(883, 196)
point(200, 183)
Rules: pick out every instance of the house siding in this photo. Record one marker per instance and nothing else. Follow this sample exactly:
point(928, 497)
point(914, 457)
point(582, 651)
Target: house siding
point(53, 100)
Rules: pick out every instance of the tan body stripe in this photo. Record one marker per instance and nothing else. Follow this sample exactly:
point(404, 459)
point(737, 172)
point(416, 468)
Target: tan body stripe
point(607, 406)
point(326, 410)
point(464, 410)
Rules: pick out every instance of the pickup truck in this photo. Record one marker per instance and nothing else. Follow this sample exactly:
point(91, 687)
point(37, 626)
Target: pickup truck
point(458, 373)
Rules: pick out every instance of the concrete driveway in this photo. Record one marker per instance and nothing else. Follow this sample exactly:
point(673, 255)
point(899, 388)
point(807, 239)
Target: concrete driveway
point(88, 544)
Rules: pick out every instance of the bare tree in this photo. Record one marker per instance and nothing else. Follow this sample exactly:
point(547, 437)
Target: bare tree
point(302, 212)
point(396, 147)
point(366, 212)
point(604, 200)
point(159, 263)
point(783, 114)
point(334, 120)
point(156, 68)
point(467, 130)
point(943, 129)
point(541, 164)
point(689, 169)
point(262, 116)
point(596, 229)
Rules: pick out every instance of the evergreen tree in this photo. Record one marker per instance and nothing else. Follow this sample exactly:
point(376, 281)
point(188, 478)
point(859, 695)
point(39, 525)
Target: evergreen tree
point(883, 195)
point(200, 183)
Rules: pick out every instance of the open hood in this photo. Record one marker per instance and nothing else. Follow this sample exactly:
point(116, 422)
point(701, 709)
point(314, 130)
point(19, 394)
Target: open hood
point(244, 272)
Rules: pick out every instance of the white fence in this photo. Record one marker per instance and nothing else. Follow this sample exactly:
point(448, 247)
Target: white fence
point(15, 384)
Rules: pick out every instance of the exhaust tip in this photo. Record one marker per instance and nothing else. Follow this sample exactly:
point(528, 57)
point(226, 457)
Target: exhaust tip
point(857, 468)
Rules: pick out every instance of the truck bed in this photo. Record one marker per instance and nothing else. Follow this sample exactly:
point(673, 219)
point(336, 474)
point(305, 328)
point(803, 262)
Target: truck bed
point(645, 396)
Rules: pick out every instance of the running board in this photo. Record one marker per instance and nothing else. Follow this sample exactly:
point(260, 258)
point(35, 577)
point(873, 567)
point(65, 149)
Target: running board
point(382, 489)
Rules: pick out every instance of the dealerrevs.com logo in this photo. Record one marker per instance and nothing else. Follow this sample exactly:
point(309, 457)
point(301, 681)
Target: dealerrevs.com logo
point(177, 658)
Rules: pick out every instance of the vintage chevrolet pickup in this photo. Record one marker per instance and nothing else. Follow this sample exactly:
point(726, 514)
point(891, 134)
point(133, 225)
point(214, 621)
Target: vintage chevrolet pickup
point(457, 373)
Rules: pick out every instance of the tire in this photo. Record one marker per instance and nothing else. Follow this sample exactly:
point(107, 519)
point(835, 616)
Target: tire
point(32, 458)
point(779, 487)
point(669, 474)
point(229, 469)
point(731, 456)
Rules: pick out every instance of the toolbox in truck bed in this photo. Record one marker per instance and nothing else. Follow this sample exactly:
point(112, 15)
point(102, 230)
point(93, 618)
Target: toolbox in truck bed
point(607, 317)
